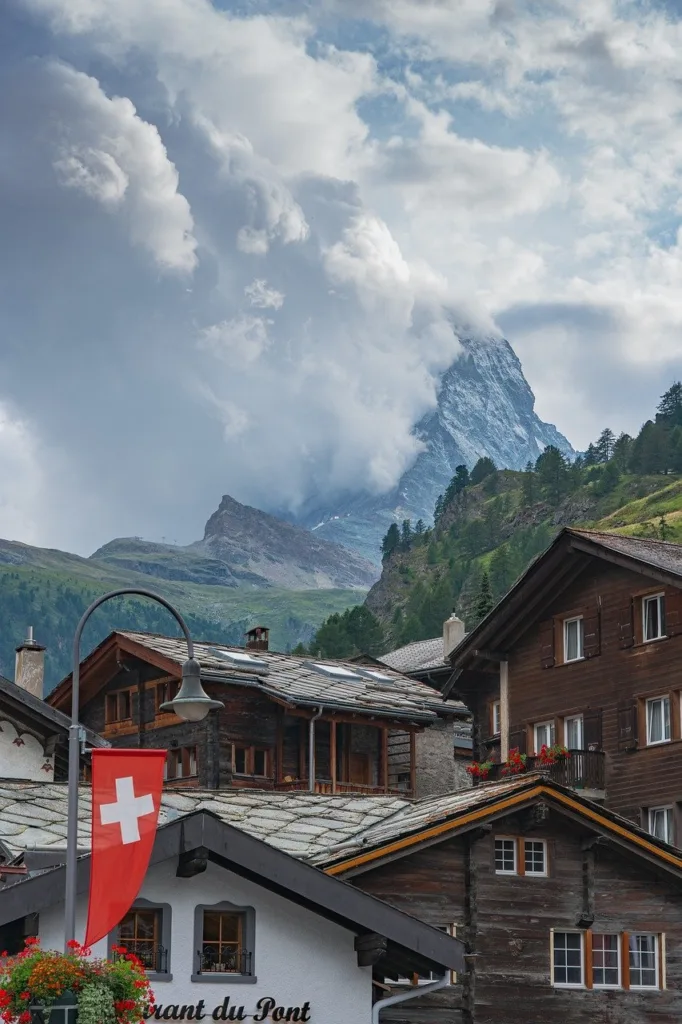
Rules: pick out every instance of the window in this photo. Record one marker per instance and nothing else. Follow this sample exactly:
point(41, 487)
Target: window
point(164, 692)
point(495, 718)
point(643, 950)
point(505, 856)
point(653, 617)
point(146, 932)
point(573, 639)
point(661, 823)
point(567, 958)
point(181, 763)
point(658, 720)
point(415, 979)
point(543, 735)
point(535, 856)
point(573, 732)
point(251, 761)
point(225, 943)
point(606, 961)
point(118, 706)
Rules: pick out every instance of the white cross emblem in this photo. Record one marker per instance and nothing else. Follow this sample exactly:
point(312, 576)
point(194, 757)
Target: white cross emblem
point(126, 810)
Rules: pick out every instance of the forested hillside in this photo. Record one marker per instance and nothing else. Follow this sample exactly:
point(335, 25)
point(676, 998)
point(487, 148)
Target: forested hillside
point(490, 523)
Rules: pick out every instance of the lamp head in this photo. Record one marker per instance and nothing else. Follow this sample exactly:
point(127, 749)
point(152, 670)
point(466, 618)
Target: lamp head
point(191, 702)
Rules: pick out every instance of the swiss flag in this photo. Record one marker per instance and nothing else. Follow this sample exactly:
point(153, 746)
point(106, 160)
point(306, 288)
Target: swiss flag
point(126, 796)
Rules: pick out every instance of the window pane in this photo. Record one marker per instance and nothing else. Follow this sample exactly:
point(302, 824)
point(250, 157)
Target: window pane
point(124, 705)
point(534, 857)
point(505, 855)
point(573, 639)
point(643, 961)
point(658, 720)
point(240, 760)
point(211, 926)
point(661, 823)
point(605, 960)
point(259, 762)
point(229, 925)
point(568, 958)
point(126, 929)
point(574, 732)
point(146, 924)
point(653, 617)
point(544, 735)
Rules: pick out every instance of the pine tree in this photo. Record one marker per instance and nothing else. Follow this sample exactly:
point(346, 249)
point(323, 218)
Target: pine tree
point(483, 468)
point(501, 572)
point(552, 473)
point(663, 528)
point(406, 535)
point(605, 444)
point(391, 541)
point(438, 510)
point(622, 450)
point(670, 406)
point(590, 457)
point(484, 600)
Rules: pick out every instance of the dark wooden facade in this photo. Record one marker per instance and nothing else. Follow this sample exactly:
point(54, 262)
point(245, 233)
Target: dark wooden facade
point(610, 688)
point(253, 742)
point(592, 889)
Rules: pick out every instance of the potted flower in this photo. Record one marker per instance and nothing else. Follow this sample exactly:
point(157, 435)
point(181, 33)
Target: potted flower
point(550, 755)
point(515, 763)
point(479, 769)
point(105, 991)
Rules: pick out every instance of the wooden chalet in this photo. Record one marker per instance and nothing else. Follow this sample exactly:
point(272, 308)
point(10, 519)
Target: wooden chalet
point(585, 651)
point(288, 723)
point(568, 911)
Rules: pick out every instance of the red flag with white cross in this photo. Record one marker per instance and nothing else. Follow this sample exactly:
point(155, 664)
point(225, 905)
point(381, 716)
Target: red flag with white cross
point(126, 797)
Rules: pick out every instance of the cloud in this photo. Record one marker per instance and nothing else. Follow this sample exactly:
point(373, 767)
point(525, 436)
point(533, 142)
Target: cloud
point(238, 246)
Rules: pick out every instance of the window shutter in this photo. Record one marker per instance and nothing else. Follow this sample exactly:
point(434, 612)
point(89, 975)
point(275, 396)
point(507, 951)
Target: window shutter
point(518, 739)
point(547, 643)
point(627, 726)
point(591, 633)
point(592, 734)
point(626, 625)
point(673, 611)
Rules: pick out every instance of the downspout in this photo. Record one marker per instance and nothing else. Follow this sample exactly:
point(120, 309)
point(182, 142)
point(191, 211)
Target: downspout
point(414, 993)
point(311, 750)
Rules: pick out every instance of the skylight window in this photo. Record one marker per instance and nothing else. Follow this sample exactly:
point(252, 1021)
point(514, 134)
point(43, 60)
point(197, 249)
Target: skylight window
point(334, 671)
point(379, 676)
point(240, 659)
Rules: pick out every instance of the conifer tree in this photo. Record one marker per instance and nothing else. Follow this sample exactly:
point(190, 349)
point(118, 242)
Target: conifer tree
point(483, 468)
point(605, 444)
point(391, 541)
point(484, 600)
point(528, 485)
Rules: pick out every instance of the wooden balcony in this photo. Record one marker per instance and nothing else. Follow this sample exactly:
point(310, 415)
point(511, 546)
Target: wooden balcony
point(327, 787)
point(584, 769)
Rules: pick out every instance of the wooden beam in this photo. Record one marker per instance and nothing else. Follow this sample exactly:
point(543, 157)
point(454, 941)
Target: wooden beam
point(192, 862)
point(370, 949)
point(332, 753)
point(413, 765)
point(384, 758)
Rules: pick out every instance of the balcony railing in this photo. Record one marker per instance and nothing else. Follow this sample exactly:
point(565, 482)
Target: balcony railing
point(325, 787)
point(583, 769)
point(224, 962)
point(153, 958)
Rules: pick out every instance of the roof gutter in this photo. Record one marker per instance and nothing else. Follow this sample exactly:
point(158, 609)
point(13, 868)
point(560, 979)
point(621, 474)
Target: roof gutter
point(403, 997)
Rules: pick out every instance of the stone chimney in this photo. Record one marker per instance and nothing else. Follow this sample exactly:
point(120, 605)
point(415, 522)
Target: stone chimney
point(453, 634)
point(257, 639)
point(29, 670)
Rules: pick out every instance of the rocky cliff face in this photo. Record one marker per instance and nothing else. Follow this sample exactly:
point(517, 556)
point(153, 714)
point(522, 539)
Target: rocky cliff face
point(485, 407)
point(288, 556)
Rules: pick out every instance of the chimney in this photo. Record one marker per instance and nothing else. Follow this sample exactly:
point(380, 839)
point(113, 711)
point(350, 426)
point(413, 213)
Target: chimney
point(29, 670)
point(257, 638)
point(453, 634)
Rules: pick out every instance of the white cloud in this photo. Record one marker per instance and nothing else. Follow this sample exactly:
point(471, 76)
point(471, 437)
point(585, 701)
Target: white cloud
point(261, 296)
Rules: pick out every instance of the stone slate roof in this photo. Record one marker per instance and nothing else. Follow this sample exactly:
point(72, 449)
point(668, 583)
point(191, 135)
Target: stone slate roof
point(420, 655)
point(297, 681)
point(33, 815)
point(660, 554)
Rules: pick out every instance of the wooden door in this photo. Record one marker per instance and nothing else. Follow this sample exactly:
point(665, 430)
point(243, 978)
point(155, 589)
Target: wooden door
point(359, 769)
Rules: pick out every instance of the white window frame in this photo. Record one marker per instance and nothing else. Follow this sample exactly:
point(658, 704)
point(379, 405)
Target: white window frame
point(575, 718)
point(619, 951)
point(536, 874)
point(655, 700)
point(549, 722)
point(567, 984)
point(669, 811)
point(658, 941)
point(660, 598)
point(581, 640)
point(496, 717)
point(504, 871)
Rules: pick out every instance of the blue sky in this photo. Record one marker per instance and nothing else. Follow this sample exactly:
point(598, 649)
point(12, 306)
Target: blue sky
point(236, 239)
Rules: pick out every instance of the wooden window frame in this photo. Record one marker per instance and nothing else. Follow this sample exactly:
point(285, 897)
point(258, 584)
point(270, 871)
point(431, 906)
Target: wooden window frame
point(250, 751)
point(658, 595)
point(619, 951)
point(564, 645)
point(185, 756)
point(515, 844)
point(116, 695)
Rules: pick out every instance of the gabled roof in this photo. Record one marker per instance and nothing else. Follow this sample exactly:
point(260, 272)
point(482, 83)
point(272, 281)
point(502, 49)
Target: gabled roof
point(297, 682)
point(419, 655)
point(552, 572)
point(410, 944)
point(37, 715)
point(443, 817)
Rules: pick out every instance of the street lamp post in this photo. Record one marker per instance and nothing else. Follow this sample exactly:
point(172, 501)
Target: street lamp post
point(191, 703)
